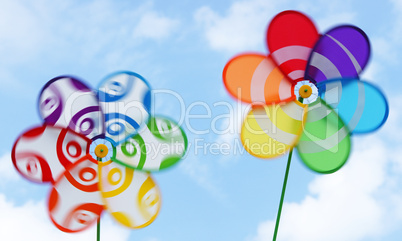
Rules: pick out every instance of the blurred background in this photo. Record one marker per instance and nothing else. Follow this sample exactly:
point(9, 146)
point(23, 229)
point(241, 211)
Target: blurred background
point(181, 47)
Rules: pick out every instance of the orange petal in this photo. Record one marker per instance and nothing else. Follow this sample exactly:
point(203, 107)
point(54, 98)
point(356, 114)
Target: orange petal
point(255, 78)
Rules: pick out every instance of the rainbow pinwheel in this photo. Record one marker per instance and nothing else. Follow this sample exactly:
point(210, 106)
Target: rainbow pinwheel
point(306, 92)
point(79, 122)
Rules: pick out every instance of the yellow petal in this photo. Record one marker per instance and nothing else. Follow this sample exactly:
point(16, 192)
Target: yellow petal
point(269, 131)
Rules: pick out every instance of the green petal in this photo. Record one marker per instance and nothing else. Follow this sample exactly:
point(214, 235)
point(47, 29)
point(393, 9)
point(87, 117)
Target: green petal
point(324, 145)
point(159, 145)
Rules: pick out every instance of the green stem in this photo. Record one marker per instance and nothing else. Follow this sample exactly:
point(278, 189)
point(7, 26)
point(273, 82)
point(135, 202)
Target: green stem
point(98, 224)
point(98, 230)
point(285, 181)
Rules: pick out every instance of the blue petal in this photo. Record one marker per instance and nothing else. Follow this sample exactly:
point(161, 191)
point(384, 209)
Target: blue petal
point(361, 105)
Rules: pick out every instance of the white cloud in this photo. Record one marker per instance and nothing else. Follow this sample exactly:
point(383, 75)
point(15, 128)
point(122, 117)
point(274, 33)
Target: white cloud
point(397, 30)
point(20, 31)
point(386, 47)
point(201, 174)
point(242, 28)
point(341, 206)
point(361, 200)
point(393, 124)
point(329, 21)
point(47, 38)
point(155, 26)
point(230, 126)
point(98, 32)
point(30, 222)
point(383, 56)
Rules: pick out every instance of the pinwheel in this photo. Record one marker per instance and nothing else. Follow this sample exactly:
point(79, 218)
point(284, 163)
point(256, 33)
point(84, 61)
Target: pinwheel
point(83, 127)
point(306, 94)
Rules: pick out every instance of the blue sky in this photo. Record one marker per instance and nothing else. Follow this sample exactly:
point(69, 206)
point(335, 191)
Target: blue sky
point(182, 46)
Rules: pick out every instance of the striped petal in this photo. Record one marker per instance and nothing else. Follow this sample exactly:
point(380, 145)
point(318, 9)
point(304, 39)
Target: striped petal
point(361, 105)
point(324, 145)
point(341, 52)
point(75, 202)
point(125, 98)
point(43, 153)
point(161, 144)
point(269, 131)
point(291, 36)
point(130, 196)
point(67, 102)
point(255, 78)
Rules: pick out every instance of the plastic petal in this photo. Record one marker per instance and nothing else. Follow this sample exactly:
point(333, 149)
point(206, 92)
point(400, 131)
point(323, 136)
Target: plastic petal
point(291, 36)
point(67, 102)
point(324, 145)
point(269, 131)
point(42, 153)
point(161, 144)
point(341, 52)
point(130, 196)
point(255, 78)
point(361, 105)
point(75, 202)
point(125, 98)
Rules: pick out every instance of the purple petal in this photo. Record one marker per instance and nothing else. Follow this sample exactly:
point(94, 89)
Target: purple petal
point(342, 52)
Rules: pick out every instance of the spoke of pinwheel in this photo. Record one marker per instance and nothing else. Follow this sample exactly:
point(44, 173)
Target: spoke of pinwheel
point(98, 223)
point(285, 181)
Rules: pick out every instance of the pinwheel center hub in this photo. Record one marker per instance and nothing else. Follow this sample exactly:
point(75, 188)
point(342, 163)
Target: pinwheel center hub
point(101, 150)
point(305, 91)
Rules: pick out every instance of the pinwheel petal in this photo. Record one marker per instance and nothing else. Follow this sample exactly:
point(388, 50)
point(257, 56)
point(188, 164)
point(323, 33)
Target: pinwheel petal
point(269, 131)
point(291, 36)
point(361, 105)
point(342, 52)
point(43, 153)
point(324, 145)
point(130, 196)
point(255, 78)
point(125, 98)
point(161, 144)
point(79, 181)
point(67, 102)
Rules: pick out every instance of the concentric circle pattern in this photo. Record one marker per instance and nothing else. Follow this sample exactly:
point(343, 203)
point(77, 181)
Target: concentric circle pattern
point(94, 148)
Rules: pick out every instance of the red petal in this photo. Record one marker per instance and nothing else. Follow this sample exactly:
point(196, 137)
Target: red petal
point(291, 35)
